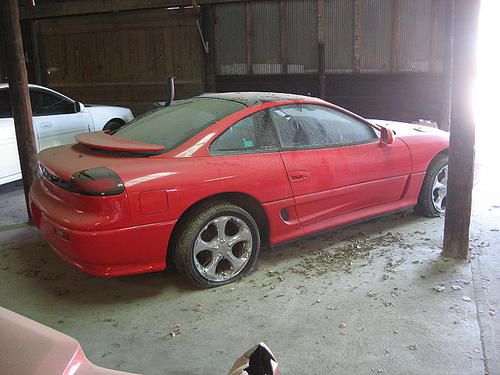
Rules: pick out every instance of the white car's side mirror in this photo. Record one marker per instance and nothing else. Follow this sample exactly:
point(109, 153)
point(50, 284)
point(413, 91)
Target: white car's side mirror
point(79, 107)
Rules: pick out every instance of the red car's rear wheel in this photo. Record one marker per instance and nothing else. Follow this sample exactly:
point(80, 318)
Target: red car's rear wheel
point(217, 244)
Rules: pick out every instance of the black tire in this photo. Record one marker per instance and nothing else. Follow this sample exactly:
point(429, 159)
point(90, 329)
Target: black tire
point(191, 226)
point(112, 126)
point(425, 204)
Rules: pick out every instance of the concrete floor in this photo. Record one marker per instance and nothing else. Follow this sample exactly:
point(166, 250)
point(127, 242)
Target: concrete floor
point(361, 300)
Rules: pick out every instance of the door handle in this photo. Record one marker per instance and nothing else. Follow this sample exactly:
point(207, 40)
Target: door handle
point(46, 125)
point(298, 175)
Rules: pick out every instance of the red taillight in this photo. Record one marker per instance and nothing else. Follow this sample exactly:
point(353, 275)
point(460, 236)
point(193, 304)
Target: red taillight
point(96, 181)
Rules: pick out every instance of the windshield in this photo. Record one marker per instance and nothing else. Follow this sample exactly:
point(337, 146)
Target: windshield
point(172, 126)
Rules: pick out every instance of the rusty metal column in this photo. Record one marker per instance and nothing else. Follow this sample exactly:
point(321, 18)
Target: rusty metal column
point(321, 49)
point(19, 94)
point(462, 135)
point(445, 116)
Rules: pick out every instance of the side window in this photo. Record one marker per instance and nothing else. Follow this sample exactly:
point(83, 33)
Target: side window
point(5, 109)
point(254, 133)
point(308, 125)
point(44, 104)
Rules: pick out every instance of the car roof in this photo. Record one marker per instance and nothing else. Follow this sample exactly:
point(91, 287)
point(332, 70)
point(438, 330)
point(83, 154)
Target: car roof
point(43, 88)
point(248, 99)
point(5, 85)
point(253, 98)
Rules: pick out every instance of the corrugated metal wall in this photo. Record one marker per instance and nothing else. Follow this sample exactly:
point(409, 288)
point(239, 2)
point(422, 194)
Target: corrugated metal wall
point(266, 30)
point(443, 7)
point(230, 36)
point(302, 35)
point(415, 36)
point(376, 18)
point(339, 24)
point(375, 92)
point(414, 41)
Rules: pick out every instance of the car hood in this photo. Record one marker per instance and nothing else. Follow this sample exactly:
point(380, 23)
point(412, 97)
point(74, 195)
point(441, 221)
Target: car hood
point(101, 106)
point(101, 114)
point(402, 129)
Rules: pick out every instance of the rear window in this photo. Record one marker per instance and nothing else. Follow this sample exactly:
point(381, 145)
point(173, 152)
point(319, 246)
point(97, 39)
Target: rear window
point(172, 126)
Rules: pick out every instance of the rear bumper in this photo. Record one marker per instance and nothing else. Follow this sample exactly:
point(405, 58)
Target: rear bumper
point(114, 252)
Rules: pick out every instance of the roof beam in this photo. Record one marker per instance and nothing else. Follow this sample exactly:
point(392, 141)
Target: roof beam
point(82, 7)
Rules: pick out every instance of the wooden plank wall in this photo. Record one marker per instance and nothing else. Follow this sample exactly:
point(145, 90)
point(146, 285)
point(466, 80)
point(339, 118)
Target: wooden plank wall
point(123, 59)
point(392, 96)
point(3, 71)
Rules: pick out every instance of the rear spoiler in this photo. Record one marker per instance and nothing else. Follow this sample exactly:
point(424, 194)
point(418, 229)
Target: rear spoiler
point(105, 141)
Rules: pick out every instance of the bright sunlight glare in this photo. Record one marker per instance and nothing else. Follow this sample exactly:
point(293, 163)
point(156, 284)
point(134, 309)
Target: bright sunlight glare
point(486, 93)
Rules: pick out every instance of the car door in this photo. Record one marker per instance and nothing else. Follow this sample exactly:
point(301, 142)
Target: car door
point(247, 154)
point(336, 163)
point(250, 149)
point(56, 118)
point(10, 169)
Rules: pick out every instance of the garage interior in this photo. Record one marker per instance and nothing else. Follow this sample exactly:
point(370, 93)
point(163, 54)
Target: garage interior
point(400, 294)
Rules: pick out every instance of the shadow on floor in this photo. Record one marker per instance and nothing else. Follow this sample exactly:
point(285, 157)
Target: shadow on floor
point(29, 257)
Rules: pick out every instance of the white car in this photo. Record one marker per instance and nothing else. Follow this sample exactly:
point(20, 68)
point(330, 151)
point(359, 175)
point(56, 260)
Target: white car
point(57, 119)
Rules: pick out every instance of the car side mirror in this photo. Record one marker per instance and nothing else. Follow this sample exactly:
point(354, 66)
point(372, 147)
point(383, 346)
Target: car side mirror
point(79, 107)
point(386, 136)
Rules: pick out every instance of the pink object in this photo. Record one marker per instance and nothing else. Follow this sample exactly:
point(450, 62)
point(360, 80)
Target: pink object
point(31, 348)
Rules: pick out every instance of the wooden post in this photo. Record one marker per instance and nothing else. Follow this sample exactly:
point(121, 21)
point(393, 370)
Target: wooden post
point(35, 51)
point(434, 46)
point(321, 49)
point(445, 116)
point(283, 37)
point(207, 25)
point(249, 29)
point(461, 156)
point(395, 31)
point(3, 69)
point(19, 94)
point(356, 58)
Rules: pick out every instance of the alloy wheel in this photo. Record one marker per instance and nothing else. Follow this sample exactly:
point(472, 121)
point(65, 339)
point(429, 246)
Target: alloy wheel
point(222, 248)
point(439, 189)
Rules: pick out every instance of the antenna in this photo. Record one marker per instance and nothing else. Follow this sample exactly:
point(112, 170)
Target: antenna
point(170, 92)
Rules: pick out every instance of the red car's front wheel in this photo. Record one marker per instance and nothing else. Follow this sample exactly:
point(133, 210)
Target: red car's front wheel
point(217, 244)
point(433, 196)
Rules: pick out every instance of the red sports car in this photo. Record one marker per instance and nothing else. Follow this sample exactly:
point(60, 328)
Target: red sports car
point(205, 182)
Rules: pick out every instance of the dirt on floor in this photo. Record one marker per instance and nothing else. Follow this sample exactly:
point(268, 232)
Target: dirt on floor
point(373, 298)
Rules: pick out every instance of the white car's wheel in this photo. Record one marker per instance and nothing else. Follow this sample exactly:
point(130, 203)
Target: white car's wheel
point(112, 126)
